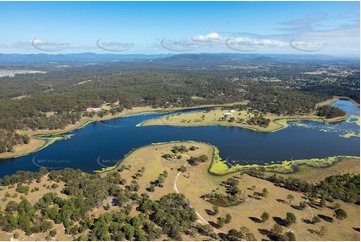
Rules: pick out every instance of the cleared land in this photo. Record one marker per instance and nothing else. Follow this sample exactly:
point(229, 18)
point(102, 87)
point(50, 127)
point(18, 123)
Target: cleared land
point(197, 181)
point(312, 174)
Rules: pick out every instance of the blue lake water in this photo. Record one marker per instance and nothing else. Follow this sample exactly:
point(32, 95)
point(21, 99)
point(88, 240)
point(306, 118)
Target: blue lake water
point(102, 144)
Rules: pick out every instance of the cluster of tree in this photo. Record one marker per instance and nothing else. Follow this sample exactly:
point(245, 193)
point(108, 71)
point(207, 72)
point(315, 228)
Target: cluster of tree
point(239, 235)
point(89, 191)
point(158, 182)
point(344, 187)
point(179, 149)
point(174, 215)
point(9, 139)
point(194, 161)
point(276, 234)
point(328, 111)
point(23, 177)
point(281, 101)
point(259, 120)
point(233, 195)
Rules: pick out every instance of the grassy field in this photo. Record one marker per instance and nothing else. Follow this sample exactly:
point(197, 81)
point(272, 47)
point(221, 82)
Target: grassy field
point(214, 117)
point(23, 149)
point(197, 181)
point(312, 174)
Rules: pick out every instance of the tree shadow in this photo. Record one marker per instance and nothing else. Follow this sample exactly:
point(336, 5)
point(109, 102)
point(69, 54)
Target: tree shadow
point(307, 221)
point(325, 218)
point(281, 200)
point(256, 220)
point(296, 207)
point(268, 233)
point(356, 229)
point(209, 212)
point(280, 221)
point(213, 224)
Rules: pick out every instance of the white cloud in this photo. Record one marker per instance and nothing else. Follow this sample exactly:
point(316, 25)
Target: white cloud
point(209, 37)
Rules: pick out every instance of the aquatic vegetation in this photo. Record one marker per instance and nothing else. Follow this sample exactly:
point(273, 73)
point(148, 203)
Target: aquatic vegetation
point(104, 169)
point(350, 134)
point(353, 119)
point(219, 167)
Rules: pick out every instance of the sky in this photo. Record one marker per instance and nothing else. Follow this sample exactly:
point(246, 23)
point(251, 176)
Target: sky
point(331, 28)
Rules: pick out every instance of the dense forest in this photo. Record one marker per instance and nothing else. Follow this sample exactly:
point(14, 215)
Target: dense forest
point(61, 96)
point(330, 112)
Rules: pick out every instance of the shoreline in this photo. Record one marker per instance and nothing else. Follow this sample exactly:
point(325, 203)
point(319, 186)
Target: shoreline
point(278, 122)
point(218, 167)
point(25, 149)
point(35, 136)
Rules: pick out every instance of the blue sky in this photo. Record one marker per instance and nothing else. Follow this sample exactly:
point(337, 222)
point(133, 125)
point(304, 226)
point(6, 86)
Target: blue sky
point(180, 27)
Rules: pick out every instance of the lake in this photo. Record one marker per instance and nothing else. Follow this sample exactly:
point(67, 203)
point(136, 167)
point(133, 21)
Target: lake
point(102, 144)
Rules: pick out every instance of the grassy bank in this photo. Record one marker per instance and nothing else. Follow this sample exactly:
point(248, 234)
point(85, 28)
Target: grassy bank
point(216, 117)
point(209, 177)
point(219, 167)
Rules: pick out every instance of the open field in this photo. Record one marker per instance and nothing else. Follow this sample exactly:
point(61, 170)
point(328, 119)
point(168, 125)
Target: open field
point(33, 145)
point(197, 181)
point(312, 174)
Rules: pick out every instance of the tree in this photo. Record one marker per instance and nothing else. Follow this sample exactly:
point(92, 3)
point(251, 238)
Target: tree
point(302, 205)
point(128, 231)
point(11, 207)
point(215, 210)
point(277, 229)
point(220, 222)
point(52, 233)
point(228, 218)
point(290, 198)
point(336, 206)
point(290, 236)
point(290, 219)
point(264, 217)
point(16, 235)
point(264, 192)
point(322, 231)
point(340, 214)
point(315, 219)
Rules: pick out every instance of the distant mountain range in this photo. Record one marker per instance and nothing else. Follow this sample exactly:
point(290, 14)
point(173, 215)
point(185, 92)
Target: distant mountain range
point(51, 59)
